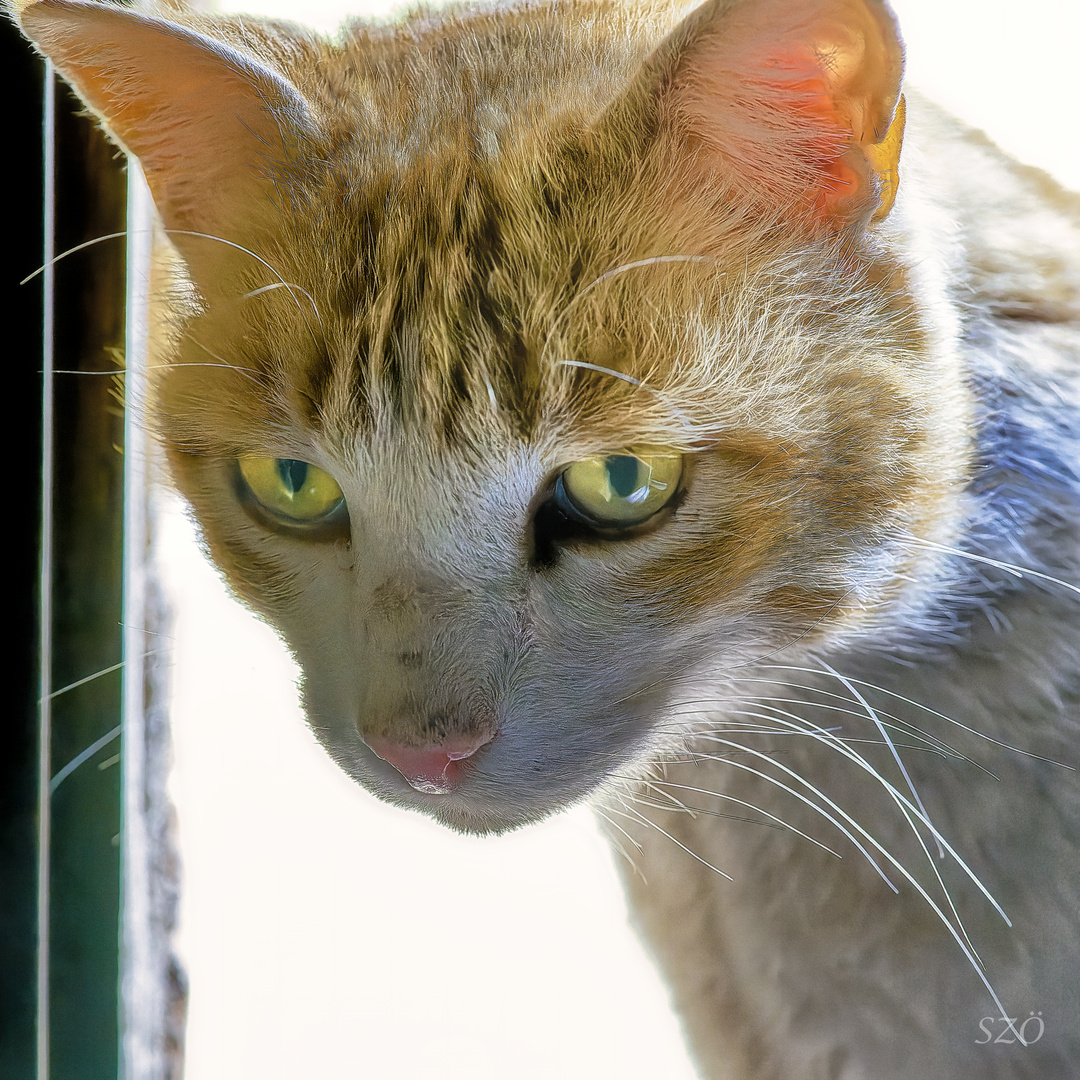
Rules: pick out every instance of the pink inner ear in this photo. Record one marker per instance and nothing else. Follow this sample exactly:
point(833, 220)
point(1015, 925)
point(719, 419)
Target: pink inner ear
point(784, 95)
point(822, 124)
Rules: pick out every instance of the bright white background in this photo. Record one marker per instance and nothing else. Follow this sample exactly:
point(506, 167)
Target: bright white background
point(327, 936)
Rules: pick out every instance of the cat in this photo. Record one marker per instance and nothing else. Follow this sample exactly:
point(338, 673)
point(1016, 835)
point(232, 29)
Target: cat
point(669, 410)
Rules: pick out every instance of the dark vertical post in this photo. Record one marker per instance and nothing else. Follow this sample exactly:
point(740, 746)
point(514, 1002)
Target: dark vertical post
point(84, 865)
point(20, 253)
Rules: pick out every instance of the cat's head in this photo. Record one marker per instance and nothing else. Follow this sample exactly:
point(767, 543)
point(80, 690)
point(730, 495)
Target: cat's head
point(536, 369)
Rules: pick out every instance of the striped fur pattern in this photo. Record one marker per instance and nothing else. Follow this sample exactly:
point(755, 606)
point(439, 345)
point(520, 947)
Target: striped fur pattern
point(444, 258)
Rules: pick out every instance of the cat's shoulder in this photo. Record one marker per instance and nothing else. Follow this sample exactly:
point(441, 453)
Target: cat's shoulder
point(1013, 229)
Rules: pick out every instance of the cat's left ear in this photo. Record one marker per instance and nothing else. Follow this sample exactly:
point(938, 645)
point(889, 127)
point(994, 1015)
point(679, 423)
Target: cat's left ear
point(795, 103)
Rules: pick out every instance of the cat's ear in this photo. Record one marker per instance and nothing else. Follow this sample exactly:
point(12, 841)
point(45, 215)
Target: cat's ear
point(796, 102)
point(210, 126)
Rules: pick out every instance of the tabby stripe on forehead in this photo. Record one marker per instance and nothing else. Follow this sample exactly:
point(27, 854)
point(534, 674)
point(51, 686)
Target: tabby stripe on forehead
point(321, 374)
point(503, 353)
point(456, 397)
point(389, 378)
point(435, 325)
point(513, 366)
point(333, 395)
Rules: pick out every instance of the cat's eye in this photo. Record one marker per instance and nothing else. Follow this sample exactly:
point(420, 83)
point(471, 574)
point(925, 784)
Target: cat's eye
point(292, 492)
point(618, 491)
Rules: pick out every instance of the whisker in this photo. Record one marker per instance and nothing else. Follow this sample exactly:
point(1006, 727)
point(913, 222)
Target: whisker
point(637, 847)
point(780, 823)
point(733, 727)
point(492, 399)
point(290, 285)
point(930, 711)
point(934, 906)
point(941, 883)
point(83, 757)
point(671, 799)
point(653, 260)
point(1009, 568)
point(265, 289)
point(87, 679)
point(623, 268)
point(618, 845)
point(71, 251)
point(156, 367)
point(97, 675)
point(850, 740)
point(248, 373)
point(943, 751)
point(693, 811)
point(885, 735)
point(75, 371)
point(803, 799)
point(603, 371)
point(675, 411)
point(292, 288)
point(935, 743)
point(825, 737)
point(281, 283)
point(634, 815)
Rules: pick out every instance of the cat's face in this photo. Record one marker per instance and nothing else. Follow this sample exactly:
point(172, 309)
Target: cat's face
point(527, 396)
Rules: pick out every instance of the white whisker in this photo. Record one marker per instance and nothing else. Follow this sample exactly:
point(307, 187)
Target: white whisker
point(634, 815)
point(71, 251)
point(780, 822)
point(941, 750)
point(75, 371)
point(638, 264)
point(618, 846)
point(603, 371)
point(86, 679)
point(82, 758)
point(668, 807)
point(934, 743)
point(958, 935)
point(655, 260)
point(266, 289)
point(825, 737)
point(885, 735)
point(292, 288)
point(1009, 568)
point(931, 712)
point(801, 798)
point(248, 373)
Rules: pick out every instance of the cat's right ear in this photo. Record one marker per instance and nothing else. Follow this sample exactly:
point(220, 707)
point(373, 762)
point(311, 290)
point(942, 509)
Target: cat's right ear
point(210, 126)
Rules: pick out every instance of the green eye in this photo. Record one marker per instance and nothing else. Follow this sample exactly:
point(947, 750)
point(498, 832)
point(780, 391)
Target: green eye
point(620, 490)
point(294, 491)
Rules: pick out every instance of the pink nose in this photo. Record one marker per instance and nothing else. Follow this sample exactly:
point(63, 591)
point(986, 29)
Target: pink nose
point(435, 770)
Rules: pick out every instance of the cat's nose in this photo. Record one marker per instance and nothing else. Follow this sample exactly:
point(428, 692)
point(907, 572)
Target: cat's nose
point(436, 769)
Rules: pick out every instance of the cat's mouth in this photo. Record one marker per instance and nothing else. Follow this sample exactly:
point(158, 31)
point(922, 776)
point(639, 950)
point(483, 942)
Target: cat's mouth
point(473, 793)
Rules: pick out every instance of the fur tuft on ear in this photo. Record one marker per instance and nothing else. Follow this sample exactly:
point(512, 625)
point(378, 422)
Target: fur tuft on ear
point(210, 126)
point(797, 101)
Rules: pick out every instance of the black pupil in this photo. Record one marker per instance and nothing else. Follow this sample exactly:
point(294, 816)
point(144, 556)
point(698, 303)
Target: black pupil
point(622, 471)
point(292, 473)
